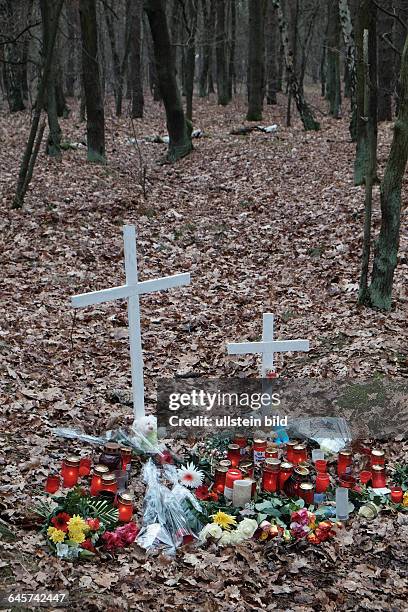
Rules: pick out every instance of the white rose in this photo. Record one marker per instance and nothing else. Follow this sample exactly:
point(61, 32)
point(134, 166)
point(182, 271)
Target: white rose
point(236, 537)
point(212, 530)
point(247, 527)
point(225, 539)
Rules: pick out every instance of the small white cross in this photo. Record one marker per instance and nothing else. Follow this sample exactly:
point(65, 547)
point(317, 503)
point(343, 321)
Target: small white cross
point(267, 347)
point(131, 291)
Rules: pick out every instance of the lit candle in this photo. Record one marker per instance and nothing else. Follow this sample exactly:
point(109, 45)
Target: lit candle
point(234, 454)
point(85, 466)
point(286, 470)
point(344, 462)
point(322, 482)
point(271, 452)
point(52, 484)
point(108, 483)
point(378, 477)
point(125, 507)
point(377, 457)
point(70, 471)
point(242, 442)
point(289, 449)
point(342, 506)
point(96, 481)
point(219, 478)
point(306, 492)
point(299, 453)
point(241, 492)
point(270, 475)
point(321, 466)
point(126, 457)
point(232, 475)
point(397, 495)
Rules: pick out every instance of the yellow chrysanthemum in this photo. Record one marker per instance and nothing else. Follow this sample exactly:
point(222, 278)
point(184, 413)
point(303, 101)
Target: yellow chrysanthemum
point(224, 520)
point(55, 535)
point(77, 522)
point(77, 536)
point(405, 499)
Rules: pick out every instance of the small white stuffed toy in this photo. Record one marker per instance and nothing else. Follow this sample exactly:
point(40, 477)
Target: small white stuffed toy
point(147, 426)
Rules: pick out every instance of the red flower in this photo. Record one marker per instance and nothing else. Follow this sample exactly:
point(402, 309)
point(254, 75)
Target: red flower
point(128, 533)
point(213, 495)
point(93, 524)
point(112, 540)
point(165, 457)
point(88, 545)
point(202, 492)
point(60, 521)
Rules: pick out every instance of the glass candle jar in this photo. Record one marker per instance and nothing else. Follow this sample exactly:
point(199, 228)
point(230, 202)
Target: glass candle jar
point(289, 449)
point(108, 483)
point(292, 484)
point(241, 492)
point(234, 454)
point(365, 477)
point(126, 457)
point(219, 478)
point(397, 495)
point(377, 457)
point(111, 456)
point(322, 482)
point(271, 452)
point(125, 507)
point(52, 483)
point(270, 475)
point(342, 505)
point(70, 471)
point(378, 477)
point(306, 492)
point(96, 482)
point(317, 455)
point(259, 450)
point(242, 442)
point(225, 463)
point(344, 461)
point(247, 468)
point(321, 466)
point(85, 466)
point(299, 453)
point(286, 470)
point(231, 475)
point(347, 481)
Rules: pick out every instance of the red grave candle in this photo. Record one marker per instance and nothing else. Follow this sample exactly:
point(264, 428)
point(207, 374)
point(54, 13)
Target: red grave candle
point(70, 471)
point(322, 482)
point(270, 475)
point(126, 457)
point(52, 484)
point(234, 454)
point(365, 477)
point(299, 453)
point(125, 507)
point(219, 478)
point(344, 462)
point(378, 477)
point(108, 483)
point(306, 492)
point(85, 466)
point(289, 449)
point(96, 482)
point(271, 452)
point(321, 466)
point(397, 495)
point(286, 470)
point(247, 468)
point(225, 463)
point(242, 442)
point(232, 475)
point(377, 457)
point(259, 450)
point(346, 481)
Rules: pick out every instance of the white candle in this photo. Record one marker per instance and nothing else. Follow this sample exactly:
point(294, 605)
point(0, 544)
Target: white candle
point(342, 510)
point(317, 454)
point(241, 493)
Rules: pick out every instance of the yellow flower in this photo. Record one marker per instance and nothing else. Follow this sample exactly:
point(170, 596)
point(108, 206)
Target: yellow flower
point(405, 499)
point(55, 535)
point(76, 535)
point(224, 520)
point(77, 522)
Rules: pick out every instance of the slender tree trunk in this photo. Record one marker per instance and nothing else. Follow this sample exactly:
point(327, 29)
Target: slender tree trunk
point(178, 128)
point(386, 62)
point(333, 60)
point(255, 60)
point(272, 40)
point(13, 70)
point(54, 136)
point(323, 69)
point(221, 54)
point(31, 150)
point(386, 253)
point(399, 35)
point(231, 70)
point(136, 77)
point(211, 87)
point(71, 14)
point(348, 37)
point(117, 73)
point(205, 51)
point(153, 78)
point(95, 118)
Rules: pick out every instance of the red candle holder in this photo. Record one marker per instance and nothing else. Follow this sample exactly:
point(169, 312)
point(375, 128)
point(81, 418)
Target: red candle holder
point(125, 507)
point(219, 478)
point(270, 475)
point(259, 451)
point(299, 454)
point(85, 466)
point(230, 477)
point(344, 461)
point(70, 471)
point(234, 454)
point(377, 457)
point(322, 482)
point(108, 483)
point(271, 452)
point(242, 442)
point(397, 495)
point(52, 483)
point(225, 463)
point(126, 457)
point(289, 450)
point(247, 468)
point(365, 477)
point(347, 481)
point(321, 466)
point(306, 492)
point(96, 482)
point(378, 480)
point(286, 470)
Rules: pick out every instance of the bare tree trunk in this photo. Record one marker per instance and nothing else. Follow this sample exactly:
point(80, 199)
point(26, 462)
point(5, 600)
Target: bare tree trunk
point(386, 61)
point(232, 86)
point(272, 40)
point(117, 72)
point(205, 50)
point(95, 118)
point(385, 259)
point(178, 128)
point(26, 167)
point(153, 78)
point(136, 76)
point(348, 37)
point(191, 28)
point(71, 13)
point(13, 70)
point(255, 60)
point(333, 91)
point(221, 54)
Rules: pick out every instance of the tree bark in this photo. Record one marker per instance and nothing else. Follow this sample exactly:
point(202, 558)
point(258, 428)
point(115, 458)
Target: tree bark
point(231, 69)
point(255, 60)
point(71, 13)
point(191, 27)
point(333, 91)
point(95, 118)
point(386, 56)
point(221, 54)
point(136, 76)
point(348, 37)
point(273, 45)
point(13, 72)
point(117, 72)
point(178, 128)
point(386, 252)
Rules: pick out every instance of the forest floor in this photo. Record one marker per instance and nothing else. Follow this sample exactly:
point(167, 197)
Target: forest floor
point(264, 222)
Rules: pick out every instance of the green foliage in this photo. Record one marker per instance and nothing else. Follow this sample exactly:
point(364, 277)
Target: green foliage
point(400, 476)
point(104, 511)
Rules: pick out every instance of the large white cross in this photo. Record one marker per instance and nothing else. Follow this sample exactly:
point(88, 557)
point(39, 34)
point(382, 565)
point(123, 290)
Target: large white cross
point(267, 347)
point(131, 291)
